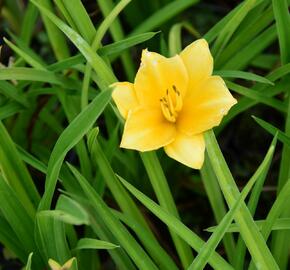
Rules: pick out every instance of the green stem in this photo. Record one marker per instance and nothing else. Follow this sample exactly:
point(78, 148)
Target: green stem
point(164, 196)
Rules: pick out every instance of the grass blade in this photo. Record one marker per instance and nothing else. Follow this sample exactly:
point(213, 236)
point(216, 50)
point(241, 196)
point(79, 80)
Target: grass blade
point(279, 224)
point(280, 245)
point(177, 226)
point(162, 15)
point(242, 75)
point(217, 203)
point(164, 196)
point(125, 239)
point(252, 237)
point(273, 130)
point(88, 243)
point(68, 139)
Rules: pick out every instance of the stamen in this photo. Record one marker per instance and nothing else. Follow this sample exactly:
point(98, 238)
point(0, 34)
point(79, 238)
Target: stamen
point(175, 90)
point(178, 99)
point(167, 113)
point(171, 103)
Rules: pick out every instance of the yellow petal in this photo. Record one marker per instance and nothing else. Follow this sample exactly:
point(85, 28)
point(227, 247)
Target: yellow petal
point(54, 265)
point(147, 129)
point(157, 74)
point(68, 264)
point(198, 61)
point(205, 107)
point(188, 150)
point(124, 97)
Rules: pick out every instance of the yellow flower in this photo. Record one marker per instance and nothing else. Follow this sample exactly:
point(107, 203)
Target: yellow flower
point(172, 102)
point(56, 266)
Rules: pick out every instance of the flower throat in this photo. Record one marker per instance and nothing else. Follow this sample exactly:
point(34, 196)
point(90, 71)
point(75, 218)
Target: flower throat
point(171, 104)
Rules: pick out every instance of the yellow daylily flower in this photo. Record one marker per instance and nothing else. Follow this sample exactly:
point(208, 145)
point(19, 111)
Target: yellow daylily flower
point(172, 102)
point(56, 266)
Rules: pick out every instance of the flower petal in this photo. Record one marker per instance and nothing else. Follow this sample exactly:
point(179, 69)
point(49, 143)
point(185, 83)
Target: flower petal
point(188, 150)
point(157, 74)
point(124, 97)
point(68, 264)
point(54, 265)
point(198, 61)
point(147, 129)
point(205, 107)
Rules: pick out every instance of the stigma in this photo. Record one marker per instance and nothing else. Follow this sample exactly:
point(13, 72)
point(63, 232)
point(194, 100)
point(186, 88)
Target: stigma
point(171, 104)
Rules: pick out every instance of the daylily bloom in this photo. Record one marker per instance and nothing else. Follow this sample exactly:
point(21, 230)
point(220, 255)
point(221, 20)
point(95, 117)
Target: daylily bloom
point(56, 266)
point(172, 102)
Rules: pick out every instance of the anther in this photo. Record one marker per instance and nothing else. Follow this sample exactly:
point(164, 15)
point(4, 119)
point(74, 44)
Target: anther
point(175, 90)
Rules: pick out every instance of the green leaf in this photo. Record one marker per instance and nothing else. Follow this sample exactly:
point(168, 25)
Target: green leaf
point(209, 247)
point(275, 212)
point(29, 260)
point(80, 18)
point(88, 243)
point(68, 211)
point(102, 70)
point(56, 37)
point(242, 75)
point(244, 56)
point(282, 17)
point(9, 239)
point(51, 238)
point(123, 199)
point(150, 243)
point(63, 216)
point(257, 96)
point(16, 215)
point(216, 261)
point(28, 23)
point(126, 240)
point(31, 74)
point(163, 15)
point(165, 198)
point(252, 237)
point(273, 130)
point(246, 103)
point(280, 245)
point(68, 139)
point(217, 203)
point(233, 23)
point(110, 12)
point(26, 55)
point(175, 39)
point(19, 179)
point(279, 224)
point(67, 63)
point(10, 91)
point(73, 209)
point(119, 46)
point(253, 201)
point(10, 109)
point(253, 25)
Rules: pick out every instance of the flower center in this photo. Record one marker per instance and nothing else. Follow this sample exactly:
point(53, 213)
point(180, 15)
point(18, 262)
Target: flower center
point(171, 104)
